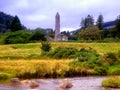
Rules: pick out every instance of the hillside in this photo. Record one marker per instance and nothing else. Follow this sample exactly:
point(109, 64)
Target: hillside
point(5, 21)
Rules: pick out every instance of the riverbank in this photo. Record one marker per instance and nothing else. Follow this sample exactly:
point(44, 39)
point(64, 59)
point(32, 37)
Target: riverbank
point(27, 69)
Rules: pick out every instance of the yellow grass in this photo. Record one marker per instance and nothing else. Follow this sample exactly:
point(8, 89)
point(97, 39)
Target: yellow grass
point(31, 67)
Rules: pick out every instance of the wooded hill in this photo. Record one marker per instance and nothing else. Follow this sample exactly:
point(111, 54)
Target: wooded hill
point(5, 22)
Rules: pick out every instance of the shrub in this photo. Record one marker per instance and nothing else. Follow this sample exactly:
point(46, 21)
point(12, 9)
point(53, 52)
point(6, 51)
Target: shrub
point(21, 36)
point(63, 52)
point(37, 36)
point(109, 58)
point(4, 76)
point(114, 72)
point(87, 55)
point(46, 46)
point(113, 82)
point(102, 70)
point(90, 58)
point(118, 54)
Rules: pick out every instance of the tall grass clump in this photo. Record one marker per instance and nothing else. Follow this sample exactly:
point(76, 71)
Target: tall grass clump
point(4, 76)
point(118, 54)
point(109, 58)
point(113, 82)
point(44, 69)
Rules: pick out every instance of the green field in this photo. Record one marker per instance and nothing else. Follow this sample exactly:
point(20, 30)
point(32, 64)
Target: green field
point(32, 50)
point(25, 60)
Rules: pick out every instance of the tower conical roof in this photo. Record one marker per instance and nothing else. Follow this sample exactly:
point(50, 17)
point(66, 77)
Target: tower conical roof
point(57, 14)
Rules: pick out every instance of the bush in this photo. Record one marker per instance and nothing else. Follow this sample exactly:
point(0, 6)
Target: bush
point(114, 72)
point(102, 70)
point(63, 52)
point(87, 55)
point(21, 36)
point(4, 76)
point(46, 46)
point(118, 54)
point(109, 58)
point(90, 58)
point(90, 33)
point(113, 82)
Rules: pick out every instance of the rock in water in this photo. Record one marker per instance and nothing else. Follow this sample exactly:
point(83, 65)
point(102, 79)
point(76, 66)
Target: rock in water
point(25, 82)
point(15, 81)
point(65, 84)
point(34, 84)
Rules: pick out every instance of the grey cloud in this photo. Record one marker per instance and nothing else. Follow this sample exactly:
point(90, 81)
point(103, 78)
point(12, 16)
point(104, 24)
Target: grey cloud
point(41, 13)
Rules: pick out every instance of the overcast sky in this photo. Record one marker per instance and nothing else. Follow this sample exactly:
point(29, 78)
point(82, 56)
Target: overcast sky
point(41, 13)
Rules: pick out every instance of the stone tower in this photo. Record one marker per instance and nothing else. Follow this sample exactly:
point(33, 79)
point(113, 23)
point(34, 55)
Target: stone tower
point(57, 27)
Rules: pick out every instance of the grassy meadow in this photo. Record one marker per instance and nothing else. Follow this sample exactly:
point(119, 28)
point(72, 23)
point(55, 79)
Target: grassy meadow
point(25, 60)
point(32, 50)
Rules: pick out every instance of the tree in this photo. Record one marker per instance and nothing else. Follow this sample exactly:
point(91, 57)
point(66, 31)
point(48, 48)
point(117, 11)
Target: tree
point(82, 23)
point(100, 22)
point(118, 26)
point(90, 33)
point(5, 22)
point(16, 24)
point(38, 35)
point(87, 22)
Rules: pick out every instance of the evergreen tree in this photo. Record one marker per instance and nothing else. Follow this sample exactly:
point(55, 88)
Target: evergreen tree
point(118, 23)
point(118, 26)
point(82, 23)
point(5, 22)
point(16, 24)
point(87, 22)
point(100, 22)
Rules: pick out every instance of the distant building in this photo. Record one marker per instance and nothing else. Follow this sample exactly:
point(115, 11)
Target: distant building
point(58, 35)
point(109, 25)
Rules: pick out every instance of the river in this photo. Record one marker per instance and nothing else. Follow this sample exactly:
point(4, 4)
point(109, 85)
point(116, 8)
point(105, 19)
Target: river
point(79, 83)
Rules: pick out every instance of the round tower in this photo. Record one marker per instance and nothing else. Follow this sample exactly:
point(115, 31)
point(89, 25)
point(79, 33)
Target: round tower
point(57, 26)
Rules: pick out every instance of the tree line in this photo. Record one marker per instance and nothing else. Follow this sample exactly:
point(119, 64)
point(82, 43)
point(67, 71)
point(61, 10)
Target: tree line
point(13, 31)
point(91, 30)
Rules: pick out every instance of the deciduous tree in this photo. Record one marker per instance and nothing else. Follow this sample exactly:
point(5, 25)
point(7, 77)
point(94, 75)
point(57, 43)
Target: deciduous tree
point(90, 33)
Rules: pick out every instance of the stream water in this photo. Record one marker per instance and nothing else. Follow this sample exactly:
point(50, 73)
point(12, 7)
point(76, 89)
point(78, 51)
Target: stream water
point(79, 83)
